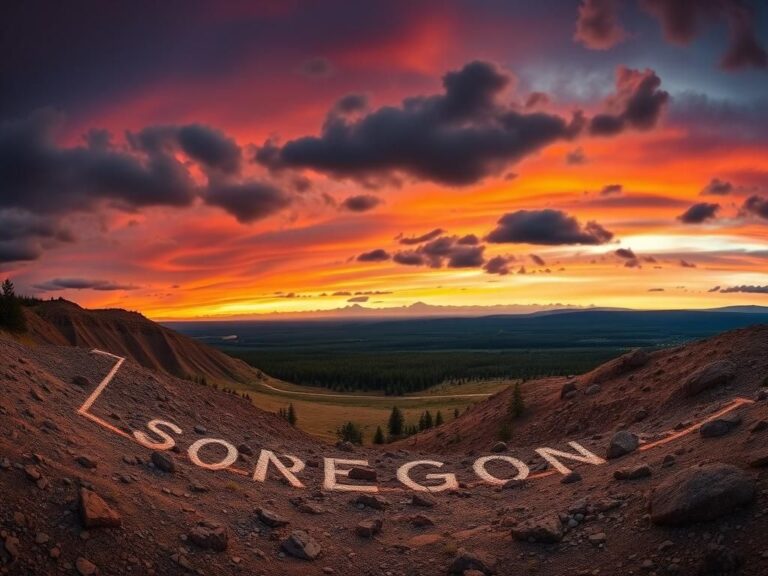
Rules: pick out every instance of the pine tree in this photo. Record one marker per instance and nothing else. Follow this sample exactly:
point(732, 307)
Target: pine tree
point(378, 438)
point(11, 312)
point(455, 413)
point(517, 404)
point(422, 422)
point(350, 432)
point(438, 418)
point(428, 423)
point(291, 415)
point(396, 423)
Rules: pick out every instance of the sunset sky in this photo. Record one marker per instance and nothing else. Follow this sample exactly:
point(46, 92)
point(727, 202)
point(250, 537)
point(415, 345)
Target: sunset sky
point(215, 159)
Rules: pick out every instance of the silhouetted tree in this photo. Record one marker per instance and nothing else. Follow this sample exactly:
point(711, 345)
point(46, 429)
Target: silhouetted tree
point(517, 404)
point(350, 432)
point(438, 418)
point(396, 422)
point(291, 415)
point(378, 438)
point(11, 313)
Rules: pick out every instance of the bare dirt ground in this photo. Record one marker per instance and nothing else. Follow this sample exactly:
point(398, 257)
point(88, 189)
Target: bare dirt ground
point(674, 517)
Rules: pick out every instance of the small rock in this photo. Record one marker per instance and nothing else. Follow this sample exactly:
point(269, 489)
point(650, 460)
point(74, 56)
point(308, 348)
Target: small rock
point(164, 462)
point(499, 447)
point(372, 501)
point(422, 500)
point(720, 426)
point(301, 545)
point(209, 535)
point(358, 473)
point(368, 528)
point(642, 471)
point(81, 381)
point(85, 567)
point(86, 462)
point(592, 389)
point(95, 512)
point(568, 388)
point(570, 478)
point(466, 561)
point(598, 538)
point(421, 520)
point(623, 442)
point(546, 529)
point(270, 518)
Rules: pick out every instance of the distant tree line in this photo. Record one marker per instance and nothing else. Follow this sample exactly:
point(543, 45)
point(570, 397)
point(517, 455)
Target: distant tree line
point(399, 373)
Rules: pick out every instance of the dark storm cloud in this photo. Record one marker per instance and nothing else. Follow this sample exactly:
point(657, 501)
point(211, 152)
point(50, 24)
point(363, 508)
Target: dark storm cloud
point(456, 138)
point(19, 251)
point(378, 255)
point(361, 203)
point(637, 103)
point(598, 25)
point(548, 227)
point(499, 265)
point(409, 258)
point(610, 189)
point(38, 175)
point(756, 205)
point(248, 201)
point(423, 238)
point(683, 20)
point(717, 187)
point(81, 284)
point(469, 240)
point(699, 213)
point(747, 289)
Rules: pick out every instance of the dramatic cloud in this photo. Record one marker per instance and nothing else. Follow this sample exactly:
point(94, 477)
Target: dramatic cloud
point(38, 175)
point(456, 138)
point(499, 265)
point(611, 189)
point(637, 103)
point(19, 251)
point(81, 284)
point(423, 238)
point(547, 227)
point(409, 258)
point(469, 240)
point(626, 253)
point(352, 103)
point(361, 203)
point(538, 260)
point(683, 20)
point(717, 187)
point(598, 26)
point(699, 213)
point(450, 251)
point(747, 289)
point(358, 299)
point(249, 201)
point(756, 205)
point(377, 255)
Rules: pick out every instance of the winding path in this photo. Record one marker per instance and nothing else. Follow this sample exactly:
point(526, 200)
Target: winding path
point(365, 397)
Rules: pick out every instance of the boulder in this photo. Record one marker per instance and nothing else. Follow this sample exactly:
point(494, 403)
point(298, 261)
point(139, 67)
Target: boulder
point(546, 529)
point(95, 512)
point(570, 478)
point(623, 442)
point(713, 374)
point(592, 389)
point(719, 426)
point(164, 462)
point(210, 536)
point(699, 494)
point(635, 359)
point(301, 545)
point(466, 561)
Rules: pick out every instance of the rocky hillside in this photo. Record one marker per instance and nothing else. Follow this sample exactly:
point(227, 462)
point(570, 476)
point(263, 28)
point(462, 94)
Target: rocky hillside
point(81, 496)
point(132, 335)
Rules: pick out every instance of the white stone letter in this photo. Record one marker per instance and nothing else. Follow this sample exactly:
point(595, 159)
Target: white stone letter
point(479, 467)
point(267, 456)
point(449, 480)
point(551, 455)
point(331, 472)
point(154, 425)
point(225, 462)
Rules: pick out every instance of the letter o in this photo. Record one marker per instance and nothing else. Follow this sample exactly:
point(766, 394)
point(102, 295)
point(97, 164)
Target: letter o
point(479, 467)
point(226, 462)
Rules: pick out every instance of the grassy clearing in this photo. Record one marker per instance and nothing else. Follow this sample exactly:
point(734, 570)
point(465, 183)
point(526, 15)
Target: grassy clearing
point(321, 416)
